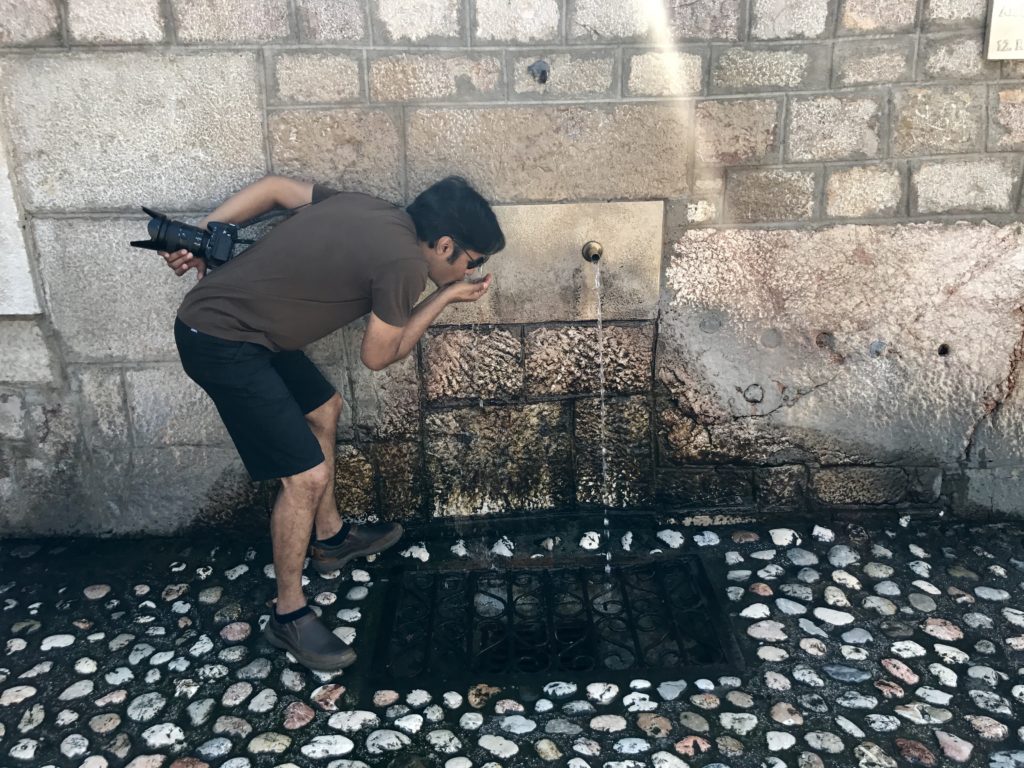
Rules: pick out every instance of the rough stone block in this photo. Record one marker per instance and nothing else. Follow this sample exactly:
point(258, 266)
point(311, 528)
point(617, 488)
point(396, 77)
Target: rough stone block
point(326, 21)
point(965, 186)
point(665, 73)
point(780, 486)
point(386, 403)
point(319, 78)
point(17, 292)
point(412, 77)
point(831, 128)
point(939, 14)
point(517, 22)
point(624, 438)
point(496, 460)
point(168, 408)
point(473, 364)
point(24, 356)
point(575, 75)
point(104, 415)
point(399, 467)
point(938, 120)
point(12, 417)
point(859, 485)
point(737, 131)
point(29, 22)
point(638, 19)
point(859, 62)
point(1006, 111)
point(698, 488)
point(519, 154)
point(83, 136)
point(354, 482)
point(230, 21)
point(782, 20)
point(955, 57)
point(925, 484)
point(877, 16)
point(995, 491)
point(769, 68)
point(541, 275)
point(421, 23)
point(352, 149)
point(130, 318)
point(115, 21)
point(567, 360)
point(862, 191)
point(770, 195)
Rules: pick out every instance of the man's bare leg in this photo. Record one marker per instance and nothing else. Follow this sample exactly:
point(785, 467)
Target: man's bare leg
point(324, 423)
point(290, 526)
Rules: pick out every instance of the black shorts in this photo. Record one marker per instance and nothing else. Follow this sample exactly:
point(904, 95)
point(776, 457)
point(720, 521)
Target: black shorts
point(262, 397)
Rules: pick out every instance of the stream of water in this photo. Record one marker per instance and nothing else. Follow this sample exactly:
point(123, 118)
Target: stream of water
point(604, 449)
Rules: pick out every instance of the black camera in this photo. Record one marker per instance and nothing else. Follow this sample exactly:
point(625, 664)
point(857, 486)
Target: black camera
point(215, 244)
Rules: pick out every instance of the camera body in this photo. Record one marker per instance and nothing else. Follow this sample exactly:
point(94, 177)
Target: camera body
point(215, 244)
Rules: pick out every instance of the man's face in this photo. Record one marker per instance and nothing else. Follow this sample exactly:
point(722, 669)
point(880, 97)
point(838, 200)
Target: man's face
point(443, 270)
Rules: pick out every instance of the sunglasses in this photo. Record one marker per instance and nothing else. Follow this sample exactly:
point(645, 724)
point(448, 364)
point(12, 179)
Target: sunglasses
point(472, 263)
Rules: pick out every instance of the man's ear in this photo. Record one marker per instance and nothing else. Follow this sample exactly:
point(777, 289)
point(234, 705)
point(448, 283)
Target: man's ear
point(445, 248)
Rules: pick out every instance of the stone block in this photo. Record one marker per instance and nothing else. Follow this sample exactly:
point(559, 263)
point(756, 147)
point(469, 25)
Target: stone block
point(702, 488)
point(519, 154)
point(54, 426)
point(637, 20)
point(780, 486)
point(331, 21)
point(385, 404)
point(859, 485)
point(995, 491)
point(499, 460)
point(842, 330)
point(48, 500)
point(459, 363)
point(585, 74)
point(315, 78)
point(115, 21)
point(412, 77)
point(168, 408)
point(24, 355)
point(1006, 120)
point(940, 14)
point(17, 293)
point(567, 360)
point(352, 149)
point(12, 417)
point(783, 20)
point(83, 136)
point(98, 317)
point(738, 131)
point(399, 469)
point(421, 23)
point(354, 482)
point(30, 22)
point(863, 191)
point(831, 128)
point(860, 62)
point(664, 73)
point(877, 16)
point(622, 438)
point(925, 484)
point(104, 413)
point(786, 67)
point(503, 21)
point(541, 275)
point(938, 120)
point(965, 186)
point(770, 195)
point(955, 57)
point(230, 21)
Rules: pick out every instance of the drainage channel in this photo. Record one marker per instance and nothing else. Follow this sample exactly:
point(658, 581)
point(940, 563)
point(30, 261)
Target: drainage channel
point(438, 628)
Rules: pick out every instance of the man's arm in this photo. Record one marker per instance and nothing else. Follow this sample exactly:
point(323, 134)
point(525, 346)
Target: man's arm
point(255, 199)
point(384, 344)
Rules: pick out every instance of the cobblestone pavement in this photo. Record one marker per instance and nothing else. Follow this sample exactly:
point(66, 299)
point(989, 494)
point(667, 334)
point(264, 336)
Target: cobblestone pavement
point(864, 647)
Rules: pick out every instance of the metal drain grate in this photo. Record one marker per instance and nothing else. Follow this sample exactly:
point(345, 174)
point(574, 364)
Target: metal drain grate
point(579, 621)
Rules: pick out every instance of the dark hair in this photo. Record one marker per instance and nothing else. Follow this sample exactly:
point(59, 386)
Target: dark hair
point(452, 207)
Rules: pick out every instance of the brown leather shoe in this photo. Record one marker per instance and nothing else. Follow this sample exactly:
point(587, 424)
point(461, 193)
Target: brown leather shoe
point(362, 540)
point(310, 642)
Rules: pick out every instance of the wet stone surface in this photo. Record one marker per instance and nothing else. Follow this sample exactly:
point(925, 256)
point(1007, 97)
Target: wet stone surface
point(863, 647)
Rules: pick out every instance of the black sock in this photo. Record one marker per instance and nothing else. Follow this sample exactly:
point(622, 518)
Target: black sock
point(339, 537)
point(287, 617)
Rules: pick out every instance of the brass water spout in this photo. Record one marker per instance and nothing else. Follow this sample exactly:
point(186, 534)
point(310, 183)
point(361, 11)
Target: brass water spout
point(593, 251)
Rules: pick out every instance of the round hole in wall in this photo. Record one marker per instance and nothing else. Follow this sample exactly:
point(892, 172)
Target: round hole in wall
point(876, 348)
point(943, 350)
point(825, 340)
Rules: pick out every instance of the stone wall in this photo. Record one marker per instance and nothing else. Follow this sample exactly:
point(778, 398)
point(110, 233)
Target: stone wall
point(840, 320)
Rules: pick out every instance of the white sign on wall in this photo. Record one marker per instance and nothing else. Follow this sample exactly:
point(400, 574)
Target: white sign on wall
point(1005, 38)
point(17, 294)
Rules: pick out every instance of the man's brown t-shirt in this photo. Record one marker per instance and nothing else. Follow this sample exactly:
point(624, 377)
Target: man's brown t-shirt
point(327, 265)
